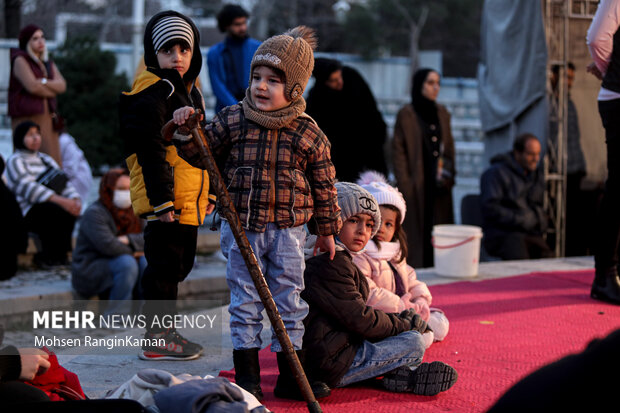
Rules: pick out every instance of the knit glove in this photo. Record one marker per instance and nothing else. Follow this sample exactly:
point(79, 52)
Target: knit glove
point(417, 323)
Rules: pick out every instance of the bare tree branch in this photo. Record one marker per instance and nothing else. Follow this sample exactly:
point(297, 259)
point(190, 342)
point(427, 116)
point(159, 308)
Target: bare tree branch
point(415, 28)
point(414, 39)
point(403, 10)
point(261, 18)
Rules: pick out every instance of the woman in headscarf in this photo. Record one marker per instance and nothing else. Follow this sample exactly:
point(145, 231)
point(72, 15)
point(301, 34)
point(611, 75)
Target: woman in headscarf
point(343, 105)
point(109, 252)
point(48, 201)
point(424, 165)
point(35, 81)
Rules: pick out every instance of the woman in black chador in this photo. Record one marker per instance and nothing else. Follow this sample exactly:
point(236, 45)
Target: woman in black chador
point(343, 105)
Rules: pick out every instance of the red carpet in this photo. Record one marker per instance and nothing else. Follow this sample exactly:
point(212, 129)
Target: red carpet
point(500, 330)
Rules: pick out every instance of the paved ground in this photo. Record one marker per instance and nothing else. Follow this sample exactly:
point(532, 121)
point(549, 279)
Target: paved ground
point(99, 373)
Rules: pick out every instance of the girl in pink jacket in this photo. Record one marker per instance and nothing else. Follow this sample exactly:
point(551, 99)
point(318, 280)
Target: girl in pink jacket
point(394, 285)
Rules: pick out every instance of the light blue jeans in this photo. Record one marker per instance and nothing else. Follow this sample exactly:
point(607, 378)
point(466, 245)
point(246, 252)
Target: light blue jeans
point(126, 274)
point(376, 359)
point(280, 255)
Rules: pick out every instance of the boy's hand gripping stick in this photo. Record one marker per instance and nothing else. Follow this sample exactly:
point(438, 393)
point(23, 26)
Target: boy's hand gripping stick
point(206, 161)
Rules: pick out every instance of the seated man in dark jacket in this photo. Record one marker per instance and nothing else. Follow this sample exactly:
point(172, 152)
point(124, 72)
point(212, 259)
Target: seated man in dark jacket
point(511, 197)
point(348, 341)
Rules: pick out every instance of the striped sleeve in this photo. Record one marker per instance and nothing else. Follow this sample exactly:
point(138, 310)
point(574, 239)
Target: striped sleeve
point(21, 179)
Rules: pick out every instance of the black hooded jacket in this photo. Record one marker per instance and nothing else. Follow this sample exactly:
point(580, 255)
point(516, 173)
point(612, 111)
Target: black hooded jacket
point(150, 55)
point(161, 181)
point(511, 200)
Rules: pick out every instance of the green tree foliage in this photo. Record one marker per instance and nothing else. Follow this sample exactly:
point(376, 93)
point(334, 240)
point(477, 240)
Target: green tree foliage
point(90, 104)
point(452, 26)
point(362, 32)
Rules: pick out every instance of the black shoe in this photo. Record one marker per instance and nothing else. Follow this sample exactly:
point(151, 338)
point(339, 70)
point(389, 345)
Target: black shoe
point(247, 371)
point(606, 286)
point(428, 379)
point(286, 385)
point(45, 261)
point(173, 347)
point(42, 261)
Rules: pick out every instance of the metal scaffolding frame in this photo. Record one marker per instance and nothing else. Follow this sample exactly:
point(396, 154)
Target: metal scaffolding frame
point(557, 15)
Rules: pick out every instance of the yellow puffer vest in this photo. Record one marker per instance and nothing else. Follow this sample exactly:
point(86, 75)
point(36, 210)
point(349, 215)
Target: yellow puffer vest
point(191, 190)
point(191, 185)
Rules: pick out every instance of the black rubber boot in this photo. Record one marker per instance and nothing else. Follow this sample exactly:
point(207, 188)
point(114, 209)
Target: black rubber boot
point(606, 286)
point(247, 371)
point(286, 385)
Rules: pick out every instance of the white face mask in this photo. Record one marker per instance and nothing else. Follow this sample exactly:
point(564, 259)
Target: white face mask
point(122, 199)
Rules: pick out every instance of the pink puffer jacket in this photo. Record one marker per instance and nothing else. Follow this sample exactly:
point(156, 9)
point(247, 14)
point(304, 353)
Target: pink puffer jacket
point(374, 265)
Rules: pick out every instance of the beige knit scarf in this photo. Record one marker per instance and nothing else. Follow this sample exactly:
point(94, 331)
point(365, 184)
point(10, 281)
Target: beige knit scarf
point(276, 119)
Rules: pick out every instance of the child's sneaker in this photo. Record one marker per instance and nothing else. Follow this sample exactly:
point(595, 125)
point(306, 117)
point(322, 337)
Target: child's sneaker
point(176, 347)
point(428, 379)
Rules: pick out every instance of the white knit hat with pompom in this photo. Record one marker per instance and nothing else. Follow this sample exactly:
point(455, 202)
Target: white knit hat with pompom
point(385, 194)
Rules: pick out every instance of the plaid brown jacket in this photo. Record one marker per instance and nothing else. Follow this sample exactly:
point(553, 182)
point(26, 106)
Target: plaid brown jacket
point(284, 176)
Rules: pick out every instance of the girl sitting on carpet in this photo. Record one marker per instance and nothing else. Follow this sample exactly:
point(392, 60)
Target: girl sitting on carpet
point(394, 286)
point(347, 340)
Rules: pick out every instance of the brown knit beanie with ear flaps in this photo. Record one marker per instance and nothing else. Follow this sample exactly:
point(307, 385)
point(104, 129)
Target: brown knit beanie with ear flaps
point(292, 53)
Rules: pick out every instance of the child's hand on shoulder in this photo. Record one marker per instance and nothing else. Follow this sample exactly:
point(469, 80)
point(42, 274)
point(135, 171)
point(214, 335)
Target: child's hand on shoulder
point(325, 243)
point(182, 114)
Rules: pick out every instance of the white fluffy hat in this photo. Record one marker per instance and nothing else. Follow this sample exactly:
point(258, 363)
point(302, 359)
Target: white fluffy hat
point(377, 184)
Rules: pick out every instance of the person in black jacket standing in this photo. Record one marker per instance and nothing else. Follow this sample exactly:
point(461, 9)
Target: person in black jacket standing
point(604, 44)
point(511, 197)
point(348, 341)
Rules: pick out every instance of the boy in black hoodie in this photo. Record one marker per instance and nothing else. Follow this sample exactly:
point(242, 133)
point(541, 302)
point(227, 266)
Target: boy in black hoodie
point(169, 193)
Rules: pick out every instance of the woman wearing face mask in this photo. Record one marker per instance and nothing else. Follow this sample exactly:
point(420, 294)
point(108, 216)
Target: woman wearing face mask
point(109, 252)
point(34, 84)
point(423, 150)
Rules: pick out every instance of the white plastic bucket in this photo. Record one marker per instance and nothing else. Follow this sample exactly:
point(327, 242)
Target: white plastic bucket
point(457, 250)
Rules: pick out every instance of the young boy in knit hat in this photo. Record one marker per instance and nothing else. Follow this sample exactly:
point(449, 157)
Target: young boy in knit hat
point(348, 341)
point(394, 285)
point(277, 167)
point(170, 194)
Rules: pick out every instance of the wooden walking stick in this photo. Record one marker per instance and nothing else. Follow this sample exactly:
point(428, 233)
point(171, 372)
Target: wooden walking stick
point(204, 159)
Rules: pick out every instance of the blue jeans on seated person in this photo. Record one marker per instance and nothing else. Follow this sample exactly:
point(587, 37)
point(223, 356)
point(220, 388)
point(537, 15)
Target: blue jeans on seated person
point(375, 359)
point(127, 273)
point(280, 255)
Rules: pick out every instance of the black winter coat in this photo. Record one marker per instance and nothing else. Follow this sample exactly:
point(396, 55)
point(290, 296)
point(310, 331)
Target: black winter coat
point(339, 319)
point(512, 201)
point(14, 239)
